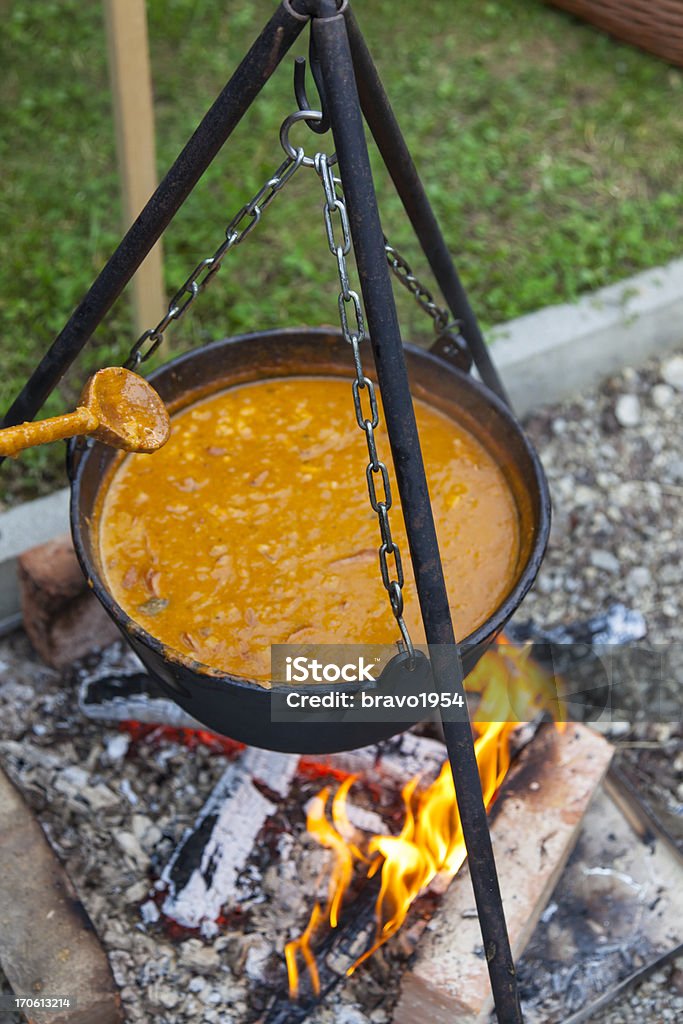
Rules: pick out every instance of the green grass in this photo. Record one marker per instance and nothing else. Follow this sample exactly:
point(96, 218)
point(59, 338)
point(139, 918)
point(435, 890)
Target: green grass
point(550, 152)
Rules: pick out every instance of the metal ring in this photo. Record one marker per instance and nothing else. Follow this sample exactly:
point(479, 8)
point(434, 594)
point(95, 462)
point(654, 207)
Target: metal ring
point(287, 4)
point(292, 153)
point(294, 13)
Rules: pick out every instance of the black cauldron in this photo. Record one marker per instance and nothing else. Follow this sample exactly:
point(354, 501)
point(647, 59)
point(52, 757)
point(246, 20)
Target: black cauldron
point(237, 707)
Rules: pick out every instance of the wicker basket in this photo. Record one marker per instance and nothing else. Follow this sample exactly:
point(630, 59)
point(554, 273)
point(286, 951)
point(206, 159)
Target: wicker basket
point(654, 25)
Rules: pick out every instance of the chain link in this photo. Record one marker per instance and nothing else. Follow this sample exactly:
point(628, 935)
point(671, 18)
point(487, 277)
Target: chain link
point(353, 330)
point(334, 210)
point(237, 230)
point(402, 271)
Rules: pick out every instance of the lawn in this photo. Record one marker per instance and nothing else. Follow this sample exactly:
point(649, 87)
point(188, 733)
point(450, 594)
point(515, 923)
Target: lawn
point(550, 152)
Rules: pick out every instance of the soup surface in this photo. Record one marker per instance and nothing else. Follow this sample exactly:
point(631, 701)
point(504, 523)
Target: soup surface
point(252, 526)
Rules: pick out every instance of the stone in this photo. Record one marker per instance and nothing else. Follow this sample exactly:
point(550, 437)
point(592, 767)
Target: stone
point(62, 617)
point(582, 495)
point(604, 560)
point(627, 411)
point(167, 997)
point(135, 893)
point(74, 783)
point(210, 997)
point(672, 372)
point(662, 395)
point(638, 578)
point(350, 1015)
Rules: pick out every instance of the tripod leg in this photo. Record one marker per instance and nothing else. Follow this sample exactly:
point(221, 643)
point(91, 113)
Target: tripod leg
point(392, 146)
point(217, 125)
point(347, 126)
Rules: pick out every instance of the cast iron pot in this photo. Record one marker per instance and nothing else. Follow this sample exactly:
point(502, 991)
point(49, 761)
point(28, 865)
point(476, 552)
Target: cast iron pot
point(235, 706)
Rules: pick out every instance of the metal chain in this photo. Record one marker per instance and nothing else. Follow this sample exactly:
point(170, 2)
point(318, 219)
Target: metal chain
point(237, 230)
point(376, 471)
point(422, 295)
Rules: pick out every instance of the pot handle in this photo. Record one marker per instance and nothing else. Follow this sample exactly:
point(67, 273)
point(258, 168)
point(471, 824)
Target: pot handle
point(76, 447)
point(451, 346)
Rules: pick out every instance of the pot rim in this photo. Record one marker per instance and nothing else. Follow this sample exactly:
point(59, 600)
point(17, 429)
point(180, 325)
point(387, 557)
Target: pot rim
point(483, 633)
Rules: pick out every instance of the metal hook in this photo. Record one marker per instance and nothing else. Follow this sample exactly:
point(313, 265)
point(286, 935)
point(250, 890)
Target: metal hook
point(321, 126)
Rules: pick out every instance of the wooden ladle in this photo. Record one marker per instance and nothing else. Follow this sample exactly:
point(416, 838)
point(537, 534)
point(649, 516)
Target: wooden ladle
point(117, 407)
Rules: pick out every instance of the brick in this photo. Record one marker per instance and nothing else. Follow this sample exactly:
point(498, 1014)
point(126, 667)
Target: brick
point(535, 825)
point(62, 617)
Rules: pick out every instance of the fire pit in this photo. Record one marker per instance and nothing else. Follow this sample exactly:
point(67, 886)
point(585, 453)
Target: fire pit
point(191, 857)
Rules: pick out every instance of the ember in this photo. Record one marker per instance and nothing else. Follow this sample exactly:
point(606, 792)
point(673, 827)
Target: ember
point(190, 738)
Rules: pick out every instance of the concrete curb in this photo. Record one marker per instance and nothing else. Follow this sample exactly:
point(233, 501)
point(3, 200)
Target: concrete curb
point(562, 350)
point(542, 357)
point(21, 528)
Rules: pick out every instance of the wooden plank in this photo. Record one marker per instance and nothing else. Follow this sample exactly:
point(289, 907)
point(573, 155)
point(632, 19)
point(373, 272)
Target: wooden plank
point(535, 825)
point(48, 946)
point(131, 85)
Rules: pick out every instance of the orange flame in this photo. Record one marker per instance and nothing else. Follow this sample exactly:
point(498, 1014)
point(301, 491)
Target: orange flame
point(512, 689)
point(431, 840)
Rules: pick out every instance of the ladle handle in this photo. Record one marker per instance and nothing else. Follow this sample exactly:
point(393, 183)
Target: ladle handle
point(26, 435)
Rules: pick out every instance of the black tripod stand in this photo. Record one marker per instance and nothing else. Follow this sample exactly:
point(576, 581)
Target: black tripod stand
point(351, 88)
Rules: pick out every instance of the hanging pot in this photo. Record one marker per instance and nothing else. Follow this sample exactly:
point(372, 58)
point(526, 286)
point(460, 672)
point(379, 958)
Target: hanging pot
point(235, 706)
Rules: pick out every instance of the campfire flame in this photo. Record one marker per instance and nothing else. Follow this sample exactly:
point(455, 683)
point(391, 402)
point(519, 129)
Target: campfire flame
point(431, 841)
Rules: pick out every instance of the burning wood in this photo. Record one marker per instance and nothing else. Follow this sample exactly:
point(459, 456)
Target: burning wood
point(535, 827)
point(430, 847)
point(430, 843)
point(395, 760)
point(117, 688)
point(202, 876)
point(334, 958)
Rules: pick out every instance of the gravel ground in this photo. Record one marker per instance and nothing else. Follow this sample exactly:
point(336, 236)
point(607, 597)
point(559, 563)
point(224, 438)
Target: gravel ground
point(614, 459)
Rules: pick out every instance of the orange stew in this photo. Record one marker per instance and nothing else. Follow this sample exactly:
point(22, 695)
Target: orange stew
point(252, 526)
